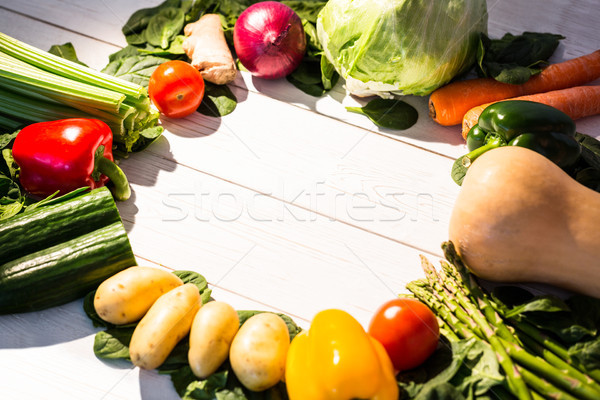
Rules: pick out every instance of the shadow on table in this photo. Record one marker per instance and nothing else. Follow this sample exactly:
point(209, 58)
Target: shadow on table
point(142, 169)
point(156, 386)
point(45, 328)
point(333, 105)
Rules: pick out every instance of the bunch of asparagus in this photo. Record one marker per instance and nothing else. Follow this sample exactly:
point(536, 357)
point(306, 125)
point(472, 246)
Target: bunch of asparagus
point(536, 366)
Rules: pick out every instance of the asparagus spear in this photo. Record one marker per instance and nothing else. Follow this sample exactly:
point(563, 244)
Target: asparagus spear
point(514, 379)
point(547, 363)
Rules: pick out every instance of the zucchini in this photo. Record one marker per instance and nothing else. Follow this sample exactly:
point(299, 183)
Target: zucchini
point(73, 260)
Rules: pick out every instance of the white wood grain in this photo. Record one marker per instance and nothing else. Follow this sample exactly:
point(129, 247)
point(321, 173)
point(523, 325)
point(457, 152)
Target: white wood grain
point(289, 204)
point(257, 246)
point(337, 170)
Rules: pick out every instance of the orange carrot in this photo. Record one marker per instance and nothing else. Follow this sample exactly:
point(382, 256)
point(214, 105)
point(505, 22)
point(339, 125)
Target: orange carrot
point(576, 102)
point(448, 104)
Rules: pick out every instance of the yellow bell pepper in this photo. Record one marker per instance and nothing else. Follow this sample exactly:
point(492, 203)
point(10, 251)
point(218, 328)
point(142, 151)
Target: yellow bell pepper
point(335, 359)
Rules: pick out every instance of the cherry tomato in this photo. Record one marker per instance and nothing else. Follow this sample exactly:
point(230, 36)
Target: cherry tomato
point(176, 88)
point(408, 330)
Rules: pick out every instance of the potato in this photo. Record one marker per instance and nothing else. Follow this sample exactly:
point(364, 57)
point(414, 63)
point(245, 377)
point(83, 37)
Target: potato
point(213, 329)
point(164, 325)
point(126, 296)
point(259, 350)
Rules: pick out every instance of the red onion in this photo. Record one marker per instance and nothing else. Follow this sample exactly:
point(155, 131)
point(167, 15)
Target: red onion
point(269, 39)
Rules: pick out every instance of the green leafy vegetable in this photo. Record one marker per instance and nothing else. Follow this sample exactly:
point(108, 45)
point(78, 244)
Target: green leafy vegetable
point(218, 100)
point(136, 69)
point(515, 58)
point(545, 346)
point(66, 51)
point(459, 171)
point(155, 35)
point(388, 113)
point(39, 86)
point(403, 47)
point(137, 24)
point(164, 26)
point(198, 280)
point(587, 172)
point(292, 327)
point(113, 343)
point(222, 384)
point(464, 369)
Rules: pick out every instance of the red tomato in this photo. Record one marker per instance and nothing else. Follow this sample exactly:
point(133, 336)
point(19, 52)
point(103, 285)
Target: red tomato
point(176, 88)
point(408, 330)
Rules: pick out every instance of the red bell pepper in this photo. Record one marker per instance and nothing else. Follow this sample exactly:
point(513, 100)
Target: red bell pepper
point(67, 154)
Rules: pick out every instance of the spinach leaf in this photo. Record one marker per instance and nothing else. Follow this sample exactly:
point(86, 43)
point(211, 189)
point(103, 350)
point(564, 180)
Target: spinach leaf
point(113, 343)
point(218, 100)
point(388, 113)
point(306, 9)
point(198, 280)
point(549, 304)
point(315, 75)
point(292, 327)
point(587, 353)
point(572, 320)
point(308, 78)
point(125, 52)
point(174, 51)
point(90, 311)
point(464, 369)
point(66, 51)
point(136, 69)
point(135, 27)
point(164, 27)
point(515, 58)
point(222, 385)
point(459, 171)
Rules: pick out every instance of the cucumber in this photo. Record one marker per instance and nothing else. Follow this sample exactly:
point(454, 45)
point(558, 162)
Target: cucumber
point(57, 222)
point(84, 244)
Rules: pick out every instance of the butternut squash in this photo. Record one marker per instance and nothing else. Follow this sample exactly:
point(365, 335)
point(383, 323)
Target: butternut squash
point(520, 218)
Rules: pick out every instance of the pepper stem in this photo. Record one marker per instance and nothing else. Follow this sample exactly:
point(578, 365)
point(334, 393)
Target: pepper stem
point(120, 189)
point(468, 159)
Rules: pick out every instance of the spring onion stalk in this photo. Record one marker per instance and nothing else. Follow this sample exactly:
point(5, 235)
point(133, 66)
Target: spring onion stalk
point(37, 86)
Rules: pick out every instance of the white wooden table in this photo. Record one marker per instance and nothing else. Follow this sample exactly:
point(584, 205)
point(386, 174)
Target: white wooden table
point(290, 203)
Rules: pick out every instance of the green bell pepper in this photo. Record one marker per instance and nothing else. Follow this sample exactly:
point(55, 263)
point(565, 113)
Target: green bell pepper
point(536, 126)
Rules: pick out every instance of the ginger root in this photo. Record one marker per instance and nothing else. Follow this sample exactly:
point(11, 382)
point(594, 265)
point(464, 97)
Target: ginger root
point(205, 45)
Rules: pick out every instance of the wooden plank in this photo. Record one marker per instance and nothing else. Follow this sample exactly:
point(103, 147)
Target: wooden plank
point(332, 169)
point(262, 249)
point(92, 52)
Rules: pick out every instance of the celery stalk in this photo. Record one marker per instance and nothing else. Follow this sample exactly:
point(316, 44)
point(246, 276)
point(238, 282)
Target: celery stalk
point(8, 124)
point(27, 109)
point(68, 69)
point(37, 86)
point(18, 74)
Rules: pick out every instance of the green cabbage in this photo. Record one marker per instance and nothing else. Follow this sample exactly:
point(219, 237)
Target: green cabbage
point(389, 47)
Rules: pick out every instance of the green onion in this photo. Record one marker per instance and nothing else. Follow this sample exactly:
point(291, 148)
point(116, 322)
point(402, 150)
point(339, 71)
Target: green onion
point(37, 86)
